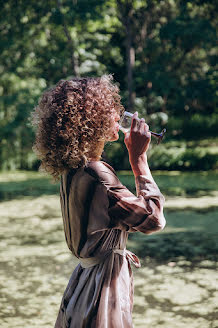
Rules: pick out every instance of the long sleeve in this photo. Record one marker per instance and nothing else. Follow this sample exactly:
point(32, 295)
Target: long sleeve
point(142, 213)
point(126, 211)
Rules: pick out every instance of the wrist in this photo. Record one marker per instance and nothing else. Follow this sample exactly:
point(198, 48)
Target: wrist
point(137, 160)
point(139, 165)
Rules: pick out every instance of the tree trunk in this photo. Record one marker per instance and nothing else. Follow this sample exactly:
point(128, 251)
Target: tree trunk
point(130, 52)
point(74, 59)
point(125, 11)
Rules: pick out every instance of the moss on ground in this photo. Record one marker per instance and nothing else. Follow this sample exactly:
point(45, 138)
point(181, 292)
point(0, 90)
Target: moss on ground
point(175, 287)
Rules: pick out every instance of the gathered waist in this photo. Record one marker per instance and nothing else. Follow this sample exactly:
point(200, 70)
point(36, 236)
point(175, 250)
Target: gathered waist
point(88, 262)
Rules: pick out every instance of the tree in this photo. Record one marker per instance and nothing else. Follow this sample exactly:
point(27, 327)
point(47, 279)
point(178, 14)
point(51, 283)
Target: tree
point(163, 55)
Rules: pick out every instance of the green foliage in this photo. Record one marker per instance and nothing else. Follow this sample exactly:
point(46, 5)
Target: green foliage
point(174, 72)
point(195, 127)
point(184, 156)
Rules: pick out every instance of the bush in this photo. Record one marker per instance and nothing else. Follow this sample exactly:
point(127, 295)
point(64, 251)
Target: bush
point(183, 157)
point(193, 127)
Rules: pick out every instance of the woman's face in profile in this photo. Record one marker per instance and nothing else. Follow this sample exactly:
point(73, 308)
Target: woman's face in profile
point(114, 135)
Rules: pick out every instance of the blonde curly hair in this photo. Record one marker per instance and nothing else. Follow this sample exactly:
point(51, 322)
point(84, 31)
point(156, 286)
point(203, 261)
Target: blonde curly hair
point(70, 120)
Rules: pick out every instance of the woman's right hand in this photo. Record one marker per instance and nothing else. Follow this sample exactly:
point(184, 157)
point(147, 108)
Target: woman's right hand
point(138, 139)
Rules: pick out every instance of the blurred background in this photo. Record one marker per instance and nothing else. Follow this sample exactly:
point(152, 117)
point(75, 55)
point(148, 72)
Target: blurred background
point(163, 55)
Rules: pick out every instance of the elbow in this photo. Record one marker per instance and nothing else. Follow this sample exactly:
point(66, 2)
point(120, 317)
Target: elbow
point(152, 222)
point(158, 220)
point(157, 225)
point(162, 222)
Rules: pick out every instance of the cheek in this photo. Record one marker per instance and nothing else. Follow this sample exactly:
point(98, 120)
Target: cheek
point(112, 126)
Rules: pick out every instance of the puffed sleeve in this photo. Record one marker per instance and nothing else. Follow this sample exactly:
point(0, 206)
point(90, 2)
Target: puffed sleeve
point(126, 211)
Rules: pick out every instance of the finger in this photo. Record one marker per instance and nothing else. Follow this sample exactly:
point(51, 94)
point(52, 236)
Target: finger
point(134, 121)
point(142, 125)
point(149, 135)
point(146, 127)
point(146, 130)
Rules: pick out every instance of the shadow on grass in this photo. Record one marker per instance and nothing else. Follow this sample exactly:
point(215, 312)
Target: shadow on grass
point(30, 187)
point(34, 184)
point(190, 235)
point(186, 184)
point(193, 246)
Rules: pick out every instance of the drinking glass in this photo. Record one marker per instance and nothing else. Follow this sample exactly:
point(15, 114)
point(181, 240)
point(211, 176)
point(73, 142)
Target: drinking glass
point(125, 125)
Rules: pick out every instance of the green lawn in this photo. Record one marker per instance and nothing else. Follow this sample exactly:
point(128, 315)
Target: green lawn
point(176, 285)
point(174, 183)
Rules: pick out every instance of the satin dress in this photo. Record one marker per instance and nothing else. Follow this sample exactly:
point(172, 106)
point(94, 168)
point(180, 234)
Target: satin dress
point(98, 214)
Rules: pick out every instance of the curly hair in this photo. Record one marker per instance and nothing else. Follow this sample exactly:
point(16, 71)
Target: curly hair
point(70, 120)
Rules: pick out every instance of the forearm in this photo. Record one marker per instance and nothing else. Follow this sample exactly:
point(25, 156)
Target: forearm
point(140, 166)
point(147, 187)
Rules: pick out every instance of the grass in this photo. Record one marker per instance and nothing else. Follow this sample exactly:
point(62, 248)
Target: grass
point(177, 183)
point(187, 235)
point(15, 185)
point(176, 285)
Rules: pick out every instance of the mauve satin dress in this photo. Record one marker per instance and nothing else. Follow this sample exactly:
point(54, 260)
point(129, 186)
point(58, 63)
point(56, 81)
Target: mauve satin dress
point(98, 214)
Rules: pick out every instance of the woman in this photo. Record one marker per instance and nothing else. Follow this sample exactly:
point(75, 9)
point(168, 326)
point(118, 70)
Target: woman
point(74, 120)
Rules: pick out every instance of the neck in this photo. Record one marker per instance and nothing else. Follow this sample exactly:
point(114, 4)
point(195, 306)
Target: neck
point(97, 152)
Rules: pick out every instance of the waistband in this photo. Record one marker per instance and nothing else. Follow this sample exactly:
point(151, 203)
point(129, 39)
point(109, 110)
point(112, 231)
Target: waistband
point(89, 262)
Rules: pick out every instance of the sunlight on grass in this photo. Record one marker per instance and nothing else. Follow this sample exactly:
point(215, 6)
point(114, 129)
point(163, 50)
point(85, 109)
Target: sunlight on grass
point(9, 176)
point(175, 287)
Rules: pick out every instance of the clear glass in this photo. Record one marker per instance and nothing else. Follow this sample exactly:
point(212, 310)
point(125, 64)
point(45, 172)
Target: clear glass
point(125, 125)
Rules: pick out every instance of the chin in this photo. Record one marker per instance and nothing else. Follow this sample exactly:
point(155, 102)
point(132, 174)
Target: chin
point(114, 137)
